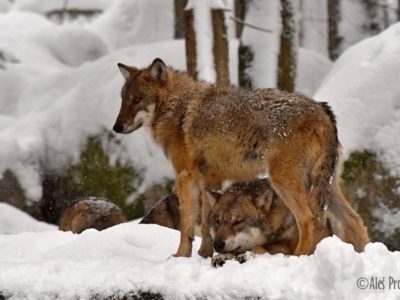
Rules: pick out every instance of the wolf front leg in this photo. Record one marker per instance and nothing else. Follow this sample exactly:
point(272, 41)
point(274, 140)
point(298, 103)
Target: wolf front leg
point(206, 247)
point(188, 194)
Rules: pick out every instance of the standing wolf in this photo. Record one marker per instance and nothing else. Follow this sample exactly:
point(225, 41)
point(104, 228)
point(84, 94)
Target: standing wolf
point(213, 134)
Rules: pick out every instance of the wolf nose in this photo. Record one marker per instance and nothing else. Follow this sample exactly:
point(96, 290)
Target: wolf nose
point(219, 245)
point(118, 128)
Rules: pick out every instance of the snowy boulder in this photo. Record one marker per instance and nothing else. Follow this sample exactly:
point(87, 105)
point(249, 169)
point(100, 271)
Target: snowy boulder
point(91, 213)
point(73, 45)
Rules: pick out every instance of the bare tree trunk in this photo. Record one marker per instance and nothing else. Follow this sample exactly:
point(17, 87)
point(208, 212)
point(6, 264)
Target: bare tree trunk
point(240, 11)
point(334, 38)
point(398, 10)
point(220, 47)
point(287, 61)
point(386, 17)
point(179, 9)
point(64, 11)
point(190, 44)
point(374, 10)
point(245, 53)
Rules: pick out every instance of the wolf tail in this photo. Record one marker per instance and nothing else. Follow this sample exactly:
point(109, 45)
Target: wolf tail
point(345, 222)
point(325, 172)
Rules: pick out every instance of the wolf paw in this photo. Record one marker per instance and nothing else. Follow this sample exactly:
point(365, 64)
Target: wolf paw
point(220, 259)
point(241, 258)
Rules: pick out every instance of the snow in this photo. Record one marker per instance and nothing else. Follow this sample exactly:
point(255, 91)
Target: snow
point(129, 22)
point(313, 25)
point(312, 67)
point(264, 14)
point(13, 221)
point(389, 220)
point(43, 6)
point(363, 90)
point(131, 257)
point(204, 37)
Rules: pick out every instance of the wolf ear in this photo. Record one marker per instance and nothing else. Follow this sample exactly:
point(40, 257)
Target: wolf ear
point(126, 71)
point(265, 200)
point(158, 70)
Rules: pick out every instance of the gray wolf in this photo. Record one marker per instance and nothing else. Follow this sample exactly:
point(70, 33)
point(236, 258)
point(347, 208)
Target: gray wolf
point(216, 134)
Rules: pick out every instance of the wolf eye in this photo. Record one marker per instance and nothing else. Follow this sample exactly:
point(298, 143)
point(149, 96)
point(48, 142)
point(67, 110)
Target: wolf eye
point(137, 99)
point(238, 221)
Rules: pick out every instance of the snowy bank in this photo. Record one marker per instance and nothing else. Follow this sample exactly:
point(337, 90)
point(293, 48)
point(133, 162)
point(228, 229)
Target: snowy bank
point(363, 89)
point(13, 220)
point(132, 257)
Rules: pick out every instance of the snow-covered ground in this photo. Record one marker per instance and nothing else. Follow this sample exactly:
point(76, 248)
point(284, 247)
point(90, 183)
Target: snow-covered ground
point(135, 257)
point(13, 221)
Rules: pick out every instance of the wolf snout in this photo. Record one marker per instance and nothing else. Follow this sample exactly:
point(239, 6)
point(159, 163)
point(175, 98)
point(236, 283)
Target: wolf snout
point(118, 128)
point(219, 245)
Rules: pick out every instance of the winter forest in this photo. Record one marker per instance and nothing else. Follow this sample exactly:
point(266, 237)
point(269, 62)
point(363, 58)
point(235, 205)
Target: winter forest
point(73, 192)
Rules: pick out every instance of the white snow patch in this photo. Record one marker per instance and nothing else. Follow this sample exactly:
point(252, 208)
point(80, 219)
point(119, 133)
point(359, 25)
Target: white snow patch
point(264, 14)
point(389, 220)
point(129, 22)
point(312, 67)
point(363, 90)
point(13, 221)
point(132, 256)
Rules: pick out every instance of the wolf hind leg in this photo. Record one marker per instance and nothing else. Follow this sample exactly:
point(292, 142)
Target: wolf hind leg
point(288, 183)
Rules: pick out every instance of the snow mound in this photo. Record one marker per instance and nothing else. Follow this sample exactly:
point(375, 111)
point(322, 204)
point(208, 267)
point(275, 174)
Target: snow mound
point(33, 40)
point(132, 257)
point(364, 92)
point(13, 220)
point(43, 6)
point(4, 6)
point(129, 22)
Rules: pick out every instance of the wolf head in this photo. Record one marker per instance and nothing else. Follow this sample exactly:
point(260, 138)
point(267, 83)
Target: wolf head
point(237, 221)
point(140, 95)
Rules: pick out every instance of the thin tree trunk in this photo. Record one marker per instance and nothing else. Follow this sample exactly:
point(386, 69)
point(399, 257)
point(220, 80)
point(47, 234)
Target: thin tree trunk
point(287, 60)
point(220, 47)
point(398, 10)
point(374, 10)
point(240, 11)
point(245, 53)
point(190, 44)
point(179, 8)
point(64, 11)
point(334, 38)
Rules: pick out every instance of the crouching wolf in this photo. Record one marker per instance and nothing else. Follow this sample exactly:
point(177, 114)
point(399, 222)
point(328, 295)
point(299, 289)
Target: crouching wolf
point(251, 217)
point(213, 134)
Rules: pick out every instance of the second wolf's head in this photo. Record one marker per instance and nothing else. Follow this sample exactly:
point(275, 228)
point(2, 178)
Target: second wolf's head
point(140, 95)
point(240, 219)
